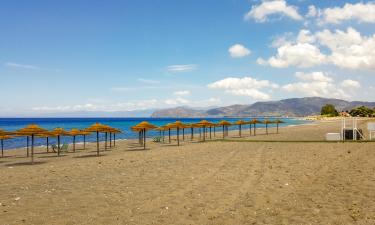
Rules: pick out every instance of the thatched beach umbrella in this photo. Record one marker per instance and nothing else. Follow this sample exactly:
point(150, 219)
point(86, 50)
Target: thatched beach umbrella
point(46, 135)
point(169, 127)
point(31, 130)
point(178, 125)
point(240, 123)
point(266, 122)
point(84, 134)
point(277, 124)
point(58, 132)
point(2, 138)
point(161, 132)
point(140, 131)
point(74, 132)
point(204, 124)
point(255, 122)
point(224, 125)
point(113, 131)
point(145, 126)
point(98, 128)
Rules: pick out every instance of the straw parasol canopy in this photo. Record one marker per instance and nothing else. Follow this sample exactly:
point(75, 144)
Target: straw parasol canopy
point(204, 124)
point(240, 123)
point(140, 133)
point(266, 122)
point(145, 126)
point(168, 127)
point(2, 138)
point(113, 131)
point(58, 132)
point(74, 132)
point(31, 130)
point(84, 134)
point(178, 125)
point(3, 132)
point(224, 124)
point(161, 129)
point(46, 135)
point(278, 121)
point(255, 122)
point(98, 128)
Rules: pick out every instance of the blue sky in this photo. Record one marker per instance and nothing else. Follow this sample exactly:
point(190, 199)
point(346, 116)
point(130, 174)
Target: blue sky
point(64, 56)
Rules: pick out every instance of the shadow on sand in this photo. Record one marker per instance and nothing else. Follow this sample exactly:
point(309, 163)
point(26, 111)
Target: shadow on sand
point(25, 163)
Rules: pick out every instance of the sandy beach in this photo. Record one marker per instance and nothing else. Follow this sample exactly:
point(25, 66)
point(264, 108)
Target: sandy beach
point(216, 182)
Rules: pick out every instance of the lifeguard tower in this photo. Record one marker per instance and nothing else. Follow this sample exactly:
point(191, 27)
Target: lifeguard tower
point(349, 129)
point(371, 130)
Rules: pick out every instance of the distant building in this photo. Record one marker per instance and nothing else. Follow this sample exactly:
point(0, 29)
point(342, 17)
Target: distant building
point(344, 114)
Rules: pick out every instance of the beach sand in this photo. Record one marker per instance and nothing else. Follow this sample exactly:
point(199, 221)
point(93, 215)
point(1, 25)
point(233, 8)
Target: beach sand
point(216, 182)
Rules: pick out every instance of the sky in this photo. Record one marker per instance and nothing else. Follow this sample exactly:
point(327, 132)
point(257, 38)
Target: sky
point(122, 55)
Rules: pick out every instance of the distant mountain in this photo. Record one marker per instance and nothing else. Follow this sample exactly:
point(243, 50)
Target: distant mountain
point(287, 107)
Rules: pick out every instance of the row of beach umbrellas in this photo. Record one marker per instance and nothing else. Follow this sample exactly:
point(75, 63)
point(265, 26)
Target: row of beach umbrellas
point(145, 126)
point(32, 131)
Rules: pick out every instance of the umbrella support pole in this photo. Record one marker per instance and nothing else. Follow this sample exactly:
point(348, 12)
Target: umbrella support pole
point(97, 143)
point(74, 143)
point(27, 145)
point(2, 148)
point(84, 142)
point(58, 145)
point(47, 146)
point(105, 142)
point(32, 149)
point(110, 140)
point(144, 139)
point(178, 136)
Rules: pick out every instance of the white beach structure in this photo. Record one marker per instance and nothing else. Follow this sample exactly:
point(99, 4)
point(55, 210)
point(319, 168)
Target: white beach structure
point(371, 129)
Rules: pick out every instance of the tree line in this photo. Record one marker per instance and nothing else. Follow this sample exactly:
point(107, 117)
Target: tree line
point(362, 111)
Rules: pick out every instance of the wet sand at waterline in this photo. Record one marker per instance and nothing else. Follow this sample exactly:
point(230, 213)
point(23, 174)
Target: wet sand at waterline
point(214, 182)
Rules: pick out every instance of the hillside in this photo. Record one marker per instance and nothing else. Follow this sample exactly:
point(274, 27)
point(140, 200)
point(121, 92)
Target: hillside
point(287, 107)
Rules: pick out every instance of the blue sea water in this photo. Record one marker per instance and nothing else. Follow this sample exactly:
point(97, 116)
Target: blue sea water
point(124, 124)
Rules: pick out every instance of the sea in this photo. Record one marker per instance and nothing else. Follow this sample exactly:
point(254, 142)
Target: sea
point(124, 124)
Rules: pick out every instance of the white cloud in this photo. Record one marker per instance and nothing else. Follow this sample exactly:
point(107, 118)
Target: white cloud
point(181, 93)
point(238, 51)
point(304, 36)
point(313, 76)
point(182, 68)
point(362, 12)
point(148, 81)
point(22, 66)
point(113, 107)
point(313, 12)
point(177, 101)
point(320, 84)
point(350, 84)
point(260, 13)
point(349, 49)
point(246, 86)
point(346, 49)
point(300, 55)
point(28, 67)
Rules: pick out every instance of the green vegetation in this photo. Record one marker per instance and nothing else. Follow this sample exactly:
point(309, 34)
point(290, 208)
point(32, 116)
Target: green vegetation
point(329, 110)
point(362, 111)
